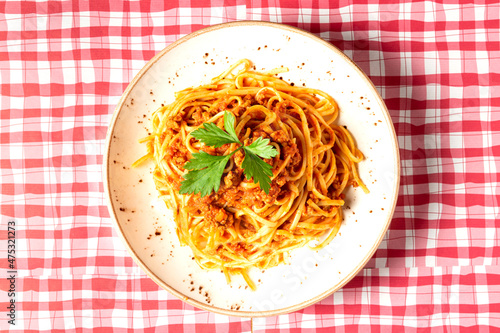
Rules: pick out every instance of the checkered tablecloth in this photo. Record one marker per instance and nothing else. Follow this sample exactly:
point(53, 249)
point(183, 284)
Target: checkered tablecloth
point(63, 68)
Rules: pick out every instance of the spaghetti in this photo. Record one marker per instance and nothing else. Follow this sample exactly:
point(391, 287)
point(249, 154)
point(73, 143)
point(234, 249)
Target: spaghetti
point(241, 226)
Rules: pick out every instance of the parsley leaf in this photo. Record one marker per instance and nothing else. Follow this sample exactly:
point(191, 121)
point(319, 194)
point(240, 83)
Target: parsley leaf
point(211, 135)
point(229, 125)
point(205, 170)
point(202, 160)
point(254, 167)
point(262, 148)
point(206, 177)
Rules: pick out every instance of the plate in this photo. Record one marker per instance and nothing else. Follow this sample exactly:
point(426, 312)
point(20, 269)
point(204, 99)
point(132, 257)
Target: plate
point(145, 224)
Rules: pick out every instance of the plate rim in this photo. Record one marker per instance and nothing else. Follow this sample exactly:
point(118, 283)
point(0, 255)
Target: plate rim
point(163, 284)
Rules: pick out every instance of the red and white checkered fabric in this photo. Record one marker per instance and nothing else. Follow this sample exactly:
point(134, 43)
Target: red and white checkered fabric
point(63, 67)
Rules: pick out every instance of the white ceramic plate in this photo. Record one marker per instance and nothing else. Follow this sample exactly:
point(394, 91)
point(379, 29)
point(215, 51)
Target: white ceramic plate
point(145, 224)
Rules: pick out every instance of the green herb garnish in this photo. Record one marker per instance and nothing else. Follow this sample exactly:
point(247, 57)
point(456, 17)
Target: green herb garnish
point(205, 170)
